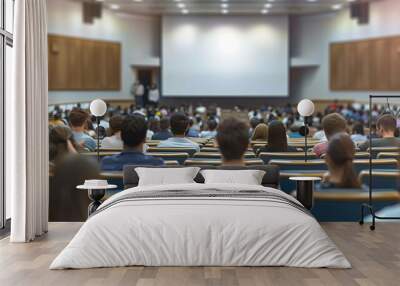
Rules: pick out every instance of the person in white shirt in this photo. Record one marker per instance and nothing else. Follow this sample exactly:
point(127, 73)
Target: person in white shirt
point(320, 134)
point(114, 141)
point(138, 90)
point(211, 131)
point(179, 126)
point(154, 95)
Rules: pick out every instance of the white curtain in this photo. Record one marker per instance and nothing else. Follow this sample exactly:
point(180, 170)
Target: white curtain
point(26, 124)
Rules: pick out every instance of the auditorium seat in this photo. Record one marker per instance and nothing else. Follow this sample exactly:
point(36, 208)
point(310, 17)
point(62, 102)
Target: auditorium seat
point(189, 151)
point(167, 156)
point(381, 180)
point(377, 164)
point(217, 155)
point(267, 156)
point(179, 157)
point(376, 150)
point(345, 204)
point(218, 162)
point(152, 143)
point(388, 155)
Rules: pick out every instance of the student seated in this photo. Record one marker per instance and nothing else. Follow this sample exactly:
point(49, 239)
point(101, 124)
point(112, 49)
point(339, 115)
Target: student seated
point(331, 124)
point(386, 126)
point(164, 132)
point(61, 143)
point(277, 139)
point(78, 121)
point(233, 141)
point(211, 131)
point(179, 126)
point(133, 135)
point(260, 133)
point(339, 158)
point(114, 141)
point(358, 134)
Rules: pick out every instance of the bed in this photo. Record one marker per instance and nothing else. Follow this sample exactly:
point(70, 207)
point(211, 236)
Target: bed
point(201, 225)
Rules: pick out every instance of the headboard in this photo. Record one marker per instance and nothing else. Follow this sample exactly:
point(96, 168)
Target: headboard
point(270, 179)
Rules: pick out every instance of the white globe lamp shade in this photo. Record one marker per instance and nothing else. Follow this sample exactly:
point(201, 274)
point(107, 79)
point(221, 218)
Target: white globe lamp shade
point(305, 107)
point(98, 107)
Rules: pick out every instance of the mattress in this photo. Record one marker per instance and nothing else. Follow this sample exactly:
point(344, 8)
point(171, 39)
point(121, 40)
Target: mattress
point(201, 225)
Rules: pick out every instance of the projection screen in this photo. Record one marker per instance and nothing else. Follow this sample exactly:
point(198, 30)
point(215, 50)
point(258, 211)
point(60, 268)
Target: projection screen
point(225, 56)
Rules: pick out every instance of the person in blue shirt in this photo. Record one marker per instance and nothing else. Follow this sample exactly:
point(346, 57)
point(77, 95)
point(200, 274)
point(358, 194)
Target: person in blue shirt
point(78, 119)
point(164, 132)
point(133, 135)
point(179, 126)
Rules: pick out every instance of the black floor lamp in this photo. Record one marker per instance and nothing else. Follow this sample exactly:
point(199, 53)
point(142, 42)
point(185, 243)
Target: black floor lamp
point(305, 109)
point(370, 205)
point(98, 108)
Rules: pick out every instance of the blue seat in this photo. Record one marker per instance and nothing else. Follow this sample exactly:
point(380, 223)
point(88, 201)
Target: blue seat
point(381, 179)
point(345, 204)
point(377, 164)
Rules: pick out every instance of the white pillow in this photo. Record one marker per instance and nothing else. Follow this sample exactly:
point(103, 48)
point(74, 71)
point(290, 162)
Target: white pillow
point(166, 176)
point(248, 177)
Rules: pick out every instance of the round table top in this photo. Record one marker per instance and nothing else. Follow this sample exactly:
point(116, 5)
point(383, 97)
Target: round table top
point(85, 187)
point(305, 178)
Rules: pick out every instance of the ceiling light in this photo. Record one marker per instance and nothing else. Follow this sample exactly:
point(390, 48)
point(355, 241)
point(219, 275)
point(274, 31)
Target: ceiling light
point(181, 5)
point(137, 0)
point(224, 11)
point(268, 5)
point(224, 5)
point(264, 11)
point(114, 6)
point(337, 6)
point(224, 0)
point(185, 11)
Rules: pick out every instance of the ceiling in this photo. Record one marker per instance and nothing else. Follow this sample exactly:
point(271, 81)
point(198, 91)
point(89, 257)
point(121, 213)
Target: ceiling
point(236, 7)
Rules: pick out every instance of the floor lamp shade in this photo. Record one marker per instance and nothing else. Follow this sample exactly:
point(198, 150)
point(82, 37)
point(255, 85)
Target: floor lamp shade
point(98, 107)
point(305, 107)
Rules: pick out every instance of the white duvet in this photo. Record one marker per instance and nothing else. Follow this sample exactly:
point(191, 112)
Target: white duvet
point(200, 231)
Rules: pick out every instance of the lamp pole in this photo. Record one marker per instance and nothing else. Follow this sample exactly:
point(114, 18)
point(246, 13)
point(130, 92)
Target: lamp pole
point(98, 108)
point(305, 109)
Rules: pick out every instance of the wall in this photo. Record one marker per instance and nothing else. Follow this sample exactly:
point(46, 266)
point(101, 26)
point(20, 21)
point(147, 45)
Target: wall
point(311, 36)
point(138, 35)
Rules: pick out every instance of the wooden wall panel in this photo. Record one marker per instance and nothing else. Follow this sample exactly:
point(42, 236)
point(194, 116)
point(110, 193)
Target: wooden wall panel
point(394, 68)
point(80, 64)
point(367, 65)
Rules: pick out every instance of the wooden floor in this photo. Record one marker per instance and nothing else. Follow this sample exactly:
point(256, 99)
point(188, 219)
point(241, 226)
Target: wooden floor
point(375, 257)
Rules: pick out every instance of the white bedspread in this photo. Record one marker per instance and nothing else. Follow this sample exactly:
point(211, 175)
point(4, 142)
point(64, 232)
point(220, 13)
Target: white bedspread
point(193, 231)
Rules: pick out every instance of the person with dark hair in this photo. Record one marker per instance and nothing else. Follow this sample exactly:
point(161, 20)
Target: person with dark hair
point(179, 126)
point(260, 133)
point(133, 135)
point(78, 120)
point(65, 202)
point(194, 129)
point(386, 126)
point(114, 141)
point(211, 131)
point(61, 143)
point(358, 134)
point(233, 141)
point(339, 158)
point(164, 132)
point(277, 139)
point(331, 124)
